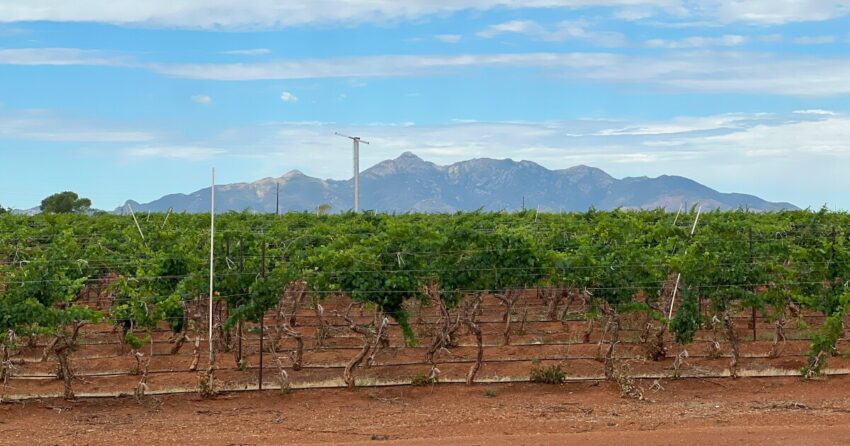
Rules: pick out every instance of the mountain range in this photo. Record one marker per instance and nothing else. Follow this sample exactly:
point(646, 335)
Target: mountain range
point(411, 184)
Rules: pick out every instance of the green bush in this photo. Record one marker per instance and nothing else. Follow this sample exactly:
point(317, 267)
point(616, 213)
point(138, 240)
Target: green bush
point(548, 375)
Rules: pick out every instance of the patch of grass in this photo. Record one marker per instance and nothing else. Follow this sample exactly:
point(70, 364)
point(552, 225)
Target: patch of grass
point(548, 375)
point(489, 392)
point(422, 380)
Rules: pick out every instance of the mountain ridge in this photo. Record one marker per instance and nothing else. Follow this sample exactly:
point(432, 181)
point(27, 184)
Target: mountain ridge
point(410, 184)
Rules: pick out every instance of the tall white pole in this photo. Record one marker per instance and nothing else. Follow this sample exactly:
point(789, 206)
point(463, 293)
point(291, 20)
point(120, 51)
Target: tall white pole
point(356, 175)
point(356, 152)
point(212, 262)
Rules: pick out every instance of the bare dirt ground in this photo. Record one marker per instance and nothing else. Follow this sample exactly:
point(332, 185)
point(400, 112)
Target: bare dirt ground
point(747, 411)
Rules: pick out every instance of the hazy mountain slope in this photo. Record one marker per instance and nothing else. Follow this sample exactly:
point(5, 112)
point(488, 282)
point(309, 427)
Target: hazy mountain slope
point(409, 183)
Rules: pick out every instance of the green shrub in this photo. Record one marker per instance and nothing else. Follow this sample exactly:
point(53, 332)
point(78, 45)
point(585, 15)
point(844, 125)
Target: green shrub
point(548, 375)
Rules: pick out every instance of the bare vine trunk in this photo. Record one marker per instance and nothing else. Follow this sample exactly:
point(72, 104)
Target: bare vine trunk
point(322, 331)
point(62, 347)
point(282, 376)
point(552, 296)
point(196, 353)
point(382, 341)
point(508, 299)
point(732, 334)
point(469, 319)
point(368, 338)
point(285, 318)
point(298, 354)
point(183, 335)
point(615, 339)
point(778, 337)
point(348, 373)
point(446, 328)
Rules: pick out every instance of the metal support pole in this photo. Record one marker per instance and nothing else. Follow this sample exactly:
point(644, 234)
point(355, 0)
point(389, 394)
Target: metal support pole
point(262, 317)
point(212, 264)
point(356, 175)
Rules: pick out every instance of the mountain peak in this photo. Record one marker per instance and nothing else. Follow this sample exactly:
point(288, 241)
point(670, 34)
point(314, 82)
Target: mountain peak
point(409, 156)
point(292, 174)
point(406, 162)
point(408, 183)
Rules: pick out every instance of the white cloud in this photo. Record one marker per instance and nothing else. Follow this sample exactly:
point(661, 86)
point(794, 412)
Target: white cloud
point(59, 56)
point(271, 13)
point(775, 12)
point(248, 52)
point(202, 99)
point(560, 32)
point(175, 152)
point(697, 42)
point(814, 40)
point(514, 26)
point(700, 71)
point(827, 136)
point(288, 97)
point(265, 14)
point(42, 125)
point(703, 71)
point(448, 38)
point(815, 112)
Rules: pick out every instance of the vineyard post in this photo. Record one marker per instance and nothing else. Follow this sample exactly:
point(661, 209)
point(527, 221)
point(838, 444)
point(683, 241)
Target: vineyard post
point(262, 316)
point(136, 221)
point(167, 214)
point(679, 275)
point(676, 220)
point(752, 260)
point(212, 263)
point(239, 324)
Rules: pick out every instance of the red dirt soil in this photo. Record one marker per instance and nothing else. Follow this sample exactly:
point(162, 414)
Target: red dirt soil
point(751, 411)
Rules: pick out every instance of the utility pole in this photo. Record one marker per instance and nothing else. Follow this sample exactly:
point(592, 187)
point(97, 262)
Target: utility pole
point(277, 200)
point(356, 144)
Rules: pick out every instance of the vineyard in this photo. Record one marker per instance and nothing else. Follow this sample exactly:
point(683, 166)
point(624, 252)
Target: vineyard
point(111, 305)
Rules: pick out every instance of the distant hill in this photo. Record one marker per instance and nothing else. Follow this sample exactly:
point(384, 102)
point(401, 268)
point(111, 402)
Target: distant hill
point(408, 183)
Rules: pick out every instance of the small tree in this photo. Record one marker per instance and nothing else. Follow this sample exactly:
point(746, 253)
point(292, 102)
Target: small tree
point(65, 203)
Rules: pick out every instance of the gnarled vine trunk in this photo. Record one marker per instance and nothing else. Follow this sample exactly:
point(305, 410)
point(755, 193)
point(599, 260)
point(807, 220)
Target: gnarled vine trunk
point(732, 334)
point(368, 338)
point(470, 314)
point(62, 347)
point(509, 298)
point(285, 316)
point(447, 326)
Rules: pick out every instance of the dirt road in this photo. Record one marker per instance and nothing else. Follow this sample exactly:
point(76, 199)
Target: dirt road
point(753, 411)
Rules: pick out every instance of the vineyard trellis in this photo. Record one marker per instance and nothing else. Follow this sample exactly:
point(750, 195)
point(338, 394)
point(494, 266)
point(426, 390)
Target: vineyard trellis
point(603, 270)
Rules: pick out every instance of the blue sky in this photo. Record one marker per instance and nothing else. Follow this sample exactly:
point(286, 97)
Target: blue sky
point(125, 99)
